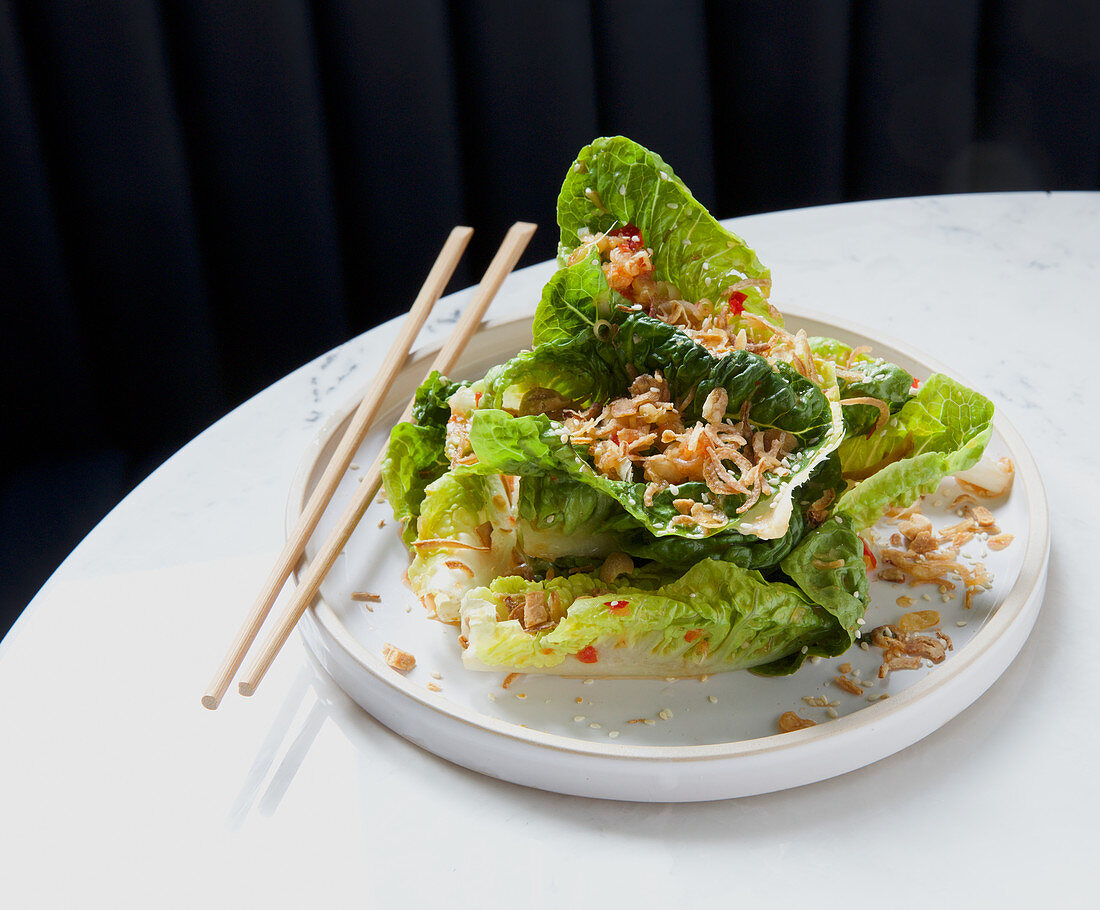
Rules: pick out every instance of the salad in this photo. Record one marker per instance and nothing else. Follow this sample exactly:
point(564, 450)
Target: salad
point(668, 482)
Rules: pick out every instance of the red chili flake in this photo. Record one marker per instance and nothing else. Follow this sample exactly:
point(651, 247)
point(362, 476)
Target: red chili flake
point(916, 383)
point(868, 557)
point(631, 237)
point(616, 606)
point(588, 655)
point(615, 436)
point(737, 302)
point(691, 634)
point(477, 399)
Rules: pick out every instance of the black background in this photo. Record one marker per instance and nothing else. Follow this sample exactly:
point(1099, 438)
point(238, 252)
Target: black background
point(197, 197)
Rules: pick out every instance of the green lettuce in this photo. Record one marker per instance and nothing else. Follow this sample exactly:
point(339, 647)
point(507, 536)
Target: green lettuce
point(568, 373)
point(715, 617)
point(781, 397)
point(534, 445)
point(615, 182)
point(941, 430)
point(840, 591)
point(465, 537)
point(415, 453)
point(878, 378)
point(575, 300)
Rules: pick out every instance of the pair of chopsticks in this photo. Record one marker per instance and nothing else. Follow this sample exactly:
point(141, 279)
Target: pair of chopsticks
point(512, 247)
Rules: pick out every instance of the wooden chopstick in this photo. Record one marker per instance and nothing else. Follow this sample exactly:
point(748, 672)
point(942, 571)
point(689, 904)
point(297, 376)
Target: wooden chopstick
point(505, 260)
point(364, 416)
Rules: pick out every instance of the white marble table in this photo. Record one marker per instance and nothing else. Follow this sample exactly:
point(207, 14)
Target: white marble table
point(118, 789)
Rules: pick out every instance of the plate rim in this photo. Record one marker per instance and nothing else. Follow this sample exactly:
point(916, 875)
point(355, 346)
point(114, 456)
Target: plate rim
point(1030, 584)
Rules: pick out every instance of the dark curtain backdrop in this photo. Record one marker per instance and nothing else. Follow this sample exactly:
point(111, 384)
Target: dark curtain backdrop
point(199, 195)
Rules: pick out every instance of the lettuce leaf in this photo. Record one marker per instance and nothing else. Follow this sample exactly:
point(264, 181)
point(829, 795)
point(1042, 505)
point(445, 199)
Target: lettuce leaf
point(465, 537)
point(573, 372)
point(941, 430)
point(841, 591)
point(533, 445)
point(715, 617)
point(878, 379)
point(781, 397)
point(415, 453)
point(575, 298)
point(615, 182)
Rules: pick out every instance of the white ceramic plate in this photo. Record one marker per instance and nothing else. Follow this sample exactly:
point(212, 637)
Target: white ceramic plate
point(690, 739)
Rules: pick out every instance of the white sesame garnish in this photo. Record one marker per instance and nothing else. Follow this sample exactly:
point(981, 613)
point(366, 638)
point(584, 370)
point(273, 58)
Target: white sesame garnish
point(664, 714)
point(353, 466)
point(926, 597)
point(492, 696)
point(589, 682)
point(436, 674)
point(961, 624)
point(594, 726)
point(832, 712)
point(612, 733)
point(713, 699)
point(579, 719)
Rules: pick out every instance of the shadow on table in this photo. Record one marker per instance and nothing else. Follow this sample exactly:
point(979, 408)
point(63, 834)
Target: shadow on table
point(860, 798)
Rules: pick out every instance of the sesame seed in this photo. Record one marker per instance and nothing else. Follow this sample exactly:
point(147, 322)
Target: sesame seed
point(521, 695)
point(961, 624)
point(713, 699)
point(594, 726)
point(832, 712)
point(579, 719)
point(865, 646)
point(612, 733)
point(664, 714)
point(589, 682)
point(926, 597)
point(437, 675)
point(492, 696)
